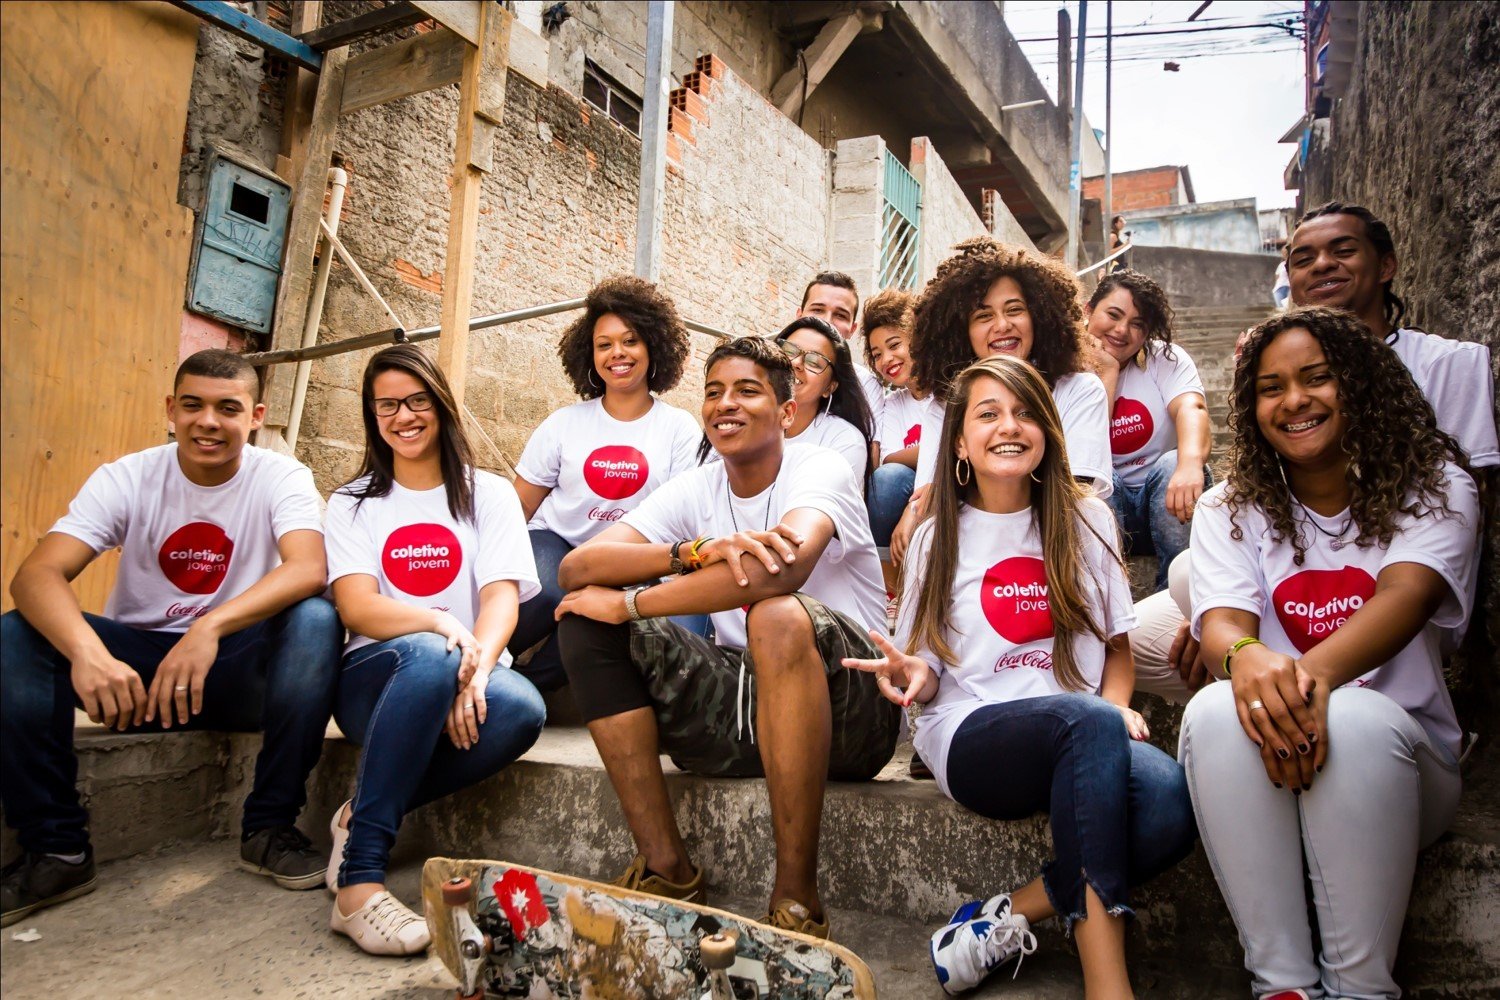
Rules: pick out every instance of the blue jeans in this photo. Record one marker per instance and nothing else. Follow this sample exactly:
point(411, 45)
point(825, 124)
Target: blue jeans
point(393, 700)
point(1146, 525)
point(536, 620)
point(1119, 809)
point(276, 676)
point(890, 489)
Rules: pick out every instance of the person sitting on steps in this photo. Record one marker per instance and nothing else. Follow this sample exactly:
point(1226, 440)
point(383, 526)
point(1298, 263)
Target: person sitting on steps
point(1012, 636)
point(774, 543)
point(214, 622)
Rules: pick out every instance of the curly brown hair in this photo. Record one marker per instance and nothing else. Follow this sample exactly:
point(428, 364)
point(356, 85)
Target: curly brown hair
point(1396, 450)
point(892, 307)
point(1150, 301)
point(940, 346)
point(644, 308)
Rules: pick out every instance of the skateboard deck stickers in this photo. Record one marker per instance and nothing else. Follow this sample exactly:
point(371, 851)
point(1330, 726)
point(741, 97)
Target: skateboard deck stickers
point(557, 938)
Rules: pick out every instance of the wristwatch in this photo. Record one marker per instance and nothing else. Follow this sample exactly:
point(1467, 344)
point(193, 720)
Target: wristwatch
point(677, 564)
point(630, 596)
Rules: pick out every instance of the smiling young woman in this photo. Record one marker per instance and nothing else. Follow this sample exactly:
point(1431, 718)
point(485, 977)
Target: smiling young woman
point(1329, 572)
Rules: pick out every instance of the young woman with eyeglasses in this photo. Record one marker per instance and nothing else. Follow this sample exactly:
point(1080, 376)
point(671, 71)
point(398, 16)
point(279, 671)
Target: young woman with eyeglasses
point(589, 464)
point(1332, 571)
point(832, 410)
point(429, 561)
point(1012, 634)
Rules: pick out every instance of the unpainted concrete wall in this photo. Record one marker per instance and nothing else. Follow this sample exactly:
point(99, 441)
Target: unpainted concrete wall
point(1207, 277)
point(947, 215)
point(1228, 226)
point(857, 203)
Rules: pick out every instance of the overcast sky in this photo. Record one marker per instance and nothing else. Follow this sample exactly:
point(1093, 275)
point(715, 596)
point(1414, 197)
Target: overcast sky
point(1236, 93)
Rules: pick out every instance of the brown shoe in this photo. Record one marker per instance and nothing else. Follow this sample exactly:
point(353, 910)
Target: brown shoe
point(790, 915)
point(636, 877)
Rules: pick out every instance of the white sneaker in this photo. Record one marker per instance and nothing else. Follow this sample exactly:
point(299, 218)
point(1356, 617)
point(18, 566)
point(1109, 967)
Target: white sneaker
point(383, 926)
point(981, 937)
point(336, 856)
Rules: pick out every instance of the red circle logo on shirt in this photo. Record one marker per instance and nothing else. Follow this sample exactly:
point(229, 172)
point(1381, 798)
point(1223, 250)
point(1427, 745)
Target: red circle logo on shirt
point(1014, 598)
point(195, 557)
point(1130, 426)
point(1313, 604)
point(913, 436)
point(421, 559)
point(615, 471)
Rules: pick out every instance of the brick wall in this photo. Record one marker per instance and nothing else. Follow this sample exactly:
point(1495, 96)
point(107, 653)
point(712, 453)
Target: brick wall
point(1156, 187)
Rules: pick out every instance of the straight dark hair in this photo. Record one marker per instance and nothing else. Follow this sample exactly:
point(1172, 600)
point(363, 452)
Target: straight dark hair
point(379, 460)
point(848, 400)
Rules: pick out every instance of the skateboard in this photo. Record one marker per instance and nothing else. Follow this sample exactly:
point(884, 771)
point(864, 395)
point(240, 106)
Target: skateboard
point(511, 931)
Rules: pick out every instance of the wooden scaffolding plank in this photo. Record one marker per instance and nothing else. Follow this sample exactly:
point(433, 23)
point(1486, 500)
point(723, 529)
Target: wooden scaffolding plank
point(423, 62)
point(302, 241)
point(464, 17)
point(483, 76)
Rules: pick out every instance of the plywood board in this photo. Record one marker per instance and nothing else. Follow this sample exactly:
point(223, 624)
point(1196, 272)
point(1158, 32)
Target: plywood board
point(93, 250)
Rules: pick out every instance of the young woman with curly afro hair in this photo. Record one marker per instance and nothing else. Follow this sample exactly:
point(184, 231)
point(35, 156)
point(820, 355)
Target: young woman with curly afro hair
point(1159, 433)
point(590, 463)
point(987, 299)
point(1330, 571)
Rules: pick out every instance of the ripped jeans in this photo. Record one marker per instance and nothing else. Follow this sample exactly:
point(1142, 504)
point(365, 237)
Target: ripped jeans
point(1119, 809)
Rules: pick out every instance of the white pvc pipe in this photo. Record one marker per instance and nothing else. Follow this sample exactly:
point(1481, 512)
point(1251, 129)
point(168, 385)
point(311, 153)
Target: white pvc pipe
point(338, 180)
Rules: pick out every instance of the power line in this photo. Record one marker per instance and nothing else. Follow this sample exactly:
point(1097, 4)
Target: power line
point(1286, 26)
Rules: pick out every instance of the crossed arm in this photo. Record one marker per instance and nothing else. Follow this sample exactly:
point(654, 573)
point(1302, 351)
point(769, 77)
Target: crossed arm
point(111, 691)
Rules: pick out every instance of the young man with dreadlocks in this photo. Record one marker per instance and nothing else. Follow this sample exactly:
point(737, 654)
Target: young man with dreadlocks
point(774, 543)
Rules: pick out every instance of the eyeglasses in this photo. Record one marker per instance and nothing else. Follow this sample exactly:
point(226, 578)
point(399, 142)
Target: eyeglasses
point(811, 360)
point(417, 402)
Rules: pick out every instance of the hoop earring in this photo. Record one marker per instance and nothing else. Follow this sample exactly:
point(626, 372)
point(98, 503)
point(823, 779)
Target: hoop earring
point(651, 372)
point(1034, 479)
point(590, 379)
point(963, 471)
point(1140, 357)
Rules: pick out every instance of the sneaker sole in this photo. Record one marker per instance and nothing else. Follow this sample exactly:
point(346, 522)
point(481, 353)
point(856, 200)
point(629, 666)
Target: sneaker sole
point(25, 911)
point(312, 880)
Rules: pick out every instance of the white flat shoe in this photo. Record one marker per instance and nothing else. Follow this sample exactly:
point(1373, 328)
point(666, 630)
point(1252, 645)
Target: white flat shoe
point(336, 856)
point(383, 926)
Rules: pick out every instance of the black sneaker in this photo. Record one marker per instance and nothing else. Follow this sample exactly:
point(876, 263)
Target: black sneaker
point(285, 854)
point(33, 881)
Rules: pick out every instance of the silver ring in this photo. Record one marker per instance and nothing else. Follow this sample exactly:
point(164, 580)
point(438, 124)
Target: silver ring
point(470, 706)
point(1256, 704)
point(182, 687)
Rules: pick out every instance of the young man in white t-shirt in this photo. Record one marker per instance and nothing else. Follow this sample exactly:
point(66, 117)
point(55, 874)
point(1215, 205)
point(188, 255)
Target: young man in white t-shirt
point(832, 296)
point(774, 543)
point(214, 623)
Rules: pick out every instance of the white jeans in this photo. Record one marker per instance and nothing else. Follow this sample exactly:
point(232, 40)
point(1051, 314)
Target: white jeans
point(1386, 790)
point(1159, 617)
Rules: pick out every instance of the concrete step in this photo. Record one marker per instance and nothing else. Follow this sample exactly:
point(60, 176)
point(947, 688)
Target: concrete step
point(894, 846)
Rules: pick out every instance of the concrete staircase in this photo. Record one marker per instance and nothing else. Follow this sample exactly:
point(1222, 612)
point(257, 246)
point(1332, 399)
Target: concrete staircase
point(1208, 335)
point(896, 855)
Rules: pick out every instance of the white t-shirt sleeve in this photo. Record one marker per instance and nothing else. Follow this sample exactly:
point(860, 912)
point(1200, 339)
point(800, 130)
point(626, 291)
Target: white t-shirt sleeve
point(917, 554)
point(1176, 375)
point(932, 435)
point(1458, 383)
point(667, 514)
point(352, 549)
point(1226, 573)
point(686, 437)
point(1116, 605)
point(504, 545)
point(850, 443)
point(295, 504)
point(1447, 544)
point(827, 487)
point(541, 459)
point(99, 515)
point(1083, 406)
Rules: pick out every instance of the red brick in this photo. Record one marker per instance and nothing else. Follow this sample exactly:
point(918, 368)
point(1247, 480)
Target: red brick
point(711, 65)
point(681, 125)
point(412, 275)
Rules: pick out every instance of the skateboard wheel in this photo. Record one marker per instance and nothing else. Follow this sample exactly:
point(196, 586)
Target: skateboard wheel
point(717, 950)
point(458, 891)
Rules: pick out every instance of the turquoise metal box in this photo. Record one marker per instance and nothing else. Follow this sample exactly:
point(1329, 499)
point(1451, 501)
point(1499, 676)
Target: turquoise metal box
point(237, 256)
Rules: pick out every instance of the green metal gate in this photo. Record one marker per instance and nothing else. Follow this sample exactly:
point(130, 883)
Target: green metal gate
point(901, 220)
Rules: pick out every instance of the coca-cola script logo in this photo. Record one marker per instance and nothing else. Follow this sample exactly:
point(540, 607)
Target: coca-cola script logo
point(1312, 604)
point(606, 513)
point(421, 559)
point(615, 471)
point(1130, 426)
point(1013, 595)
point(1030, 659)
point(195, 557)
point(913, 436)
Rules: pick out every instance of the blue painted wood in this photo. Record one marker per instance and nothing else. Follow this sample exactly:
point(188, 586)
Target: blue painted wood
point(237, 261)
point(237, 22)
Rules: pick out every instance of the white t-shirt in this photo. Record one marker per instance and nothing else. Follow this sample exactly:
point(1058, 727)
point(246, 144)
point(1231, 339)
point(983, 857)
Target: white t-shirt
point(1001, 621)
point(599, 468)
point(1083, 407)
point(1454, 375)
point(901, 425)
point(847, 577)
point(837, 434)
point(1140, 428)
point(1300, 606)
point(420, 555)
point(186, 549)
point(874, 390)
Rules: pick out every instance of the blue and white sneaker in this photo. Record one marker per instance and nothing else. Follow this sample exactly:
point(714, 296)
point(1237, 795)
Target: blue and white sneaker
point(982, 936)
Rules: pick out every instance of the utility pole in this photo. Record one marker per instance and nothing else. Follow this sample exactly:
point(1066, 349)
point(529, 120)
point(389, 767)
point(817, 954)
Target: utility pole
point(1109, 133)
point(1064, 61)
point(1075, 183)
point(648, 212)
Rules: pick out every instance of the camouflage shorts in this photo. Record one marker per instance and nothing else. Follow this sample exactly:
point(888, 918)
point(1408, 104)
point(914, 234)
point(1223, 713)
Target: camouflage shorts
point(706, 718)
